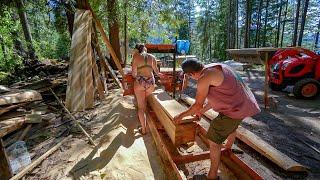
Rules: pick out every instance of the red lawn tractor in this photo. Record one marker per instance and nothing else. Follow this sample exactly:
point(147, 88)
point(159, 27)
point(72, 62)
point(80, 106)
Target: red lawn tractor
point(298, 67)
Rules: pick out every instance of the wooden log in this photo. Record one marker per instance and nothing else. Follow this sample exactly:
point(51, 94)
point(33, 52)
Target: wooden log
point(10, 125)
point(80, 94)
point(9, 108)
point(170, 167)
point(5, 172)
point(165, 109)
point(24, 133)
point(39, 160)
point(259, 144)
point(19, 97)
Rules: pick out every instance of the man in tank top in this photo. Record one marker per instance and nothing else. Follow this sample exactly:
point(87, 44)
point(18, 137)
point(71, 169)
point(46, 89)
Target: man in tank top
point(227, 94)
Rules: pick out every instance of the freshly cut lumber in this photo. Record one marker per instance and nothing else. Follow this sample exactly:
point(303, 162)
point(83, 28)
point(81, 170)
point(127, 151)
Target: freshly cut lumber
point(165, 109)
point(170, 167)
point(5, 172)
point(258, 144)
point(19, 97)
point(80, 90)
point(269, 151)
point(39, 160)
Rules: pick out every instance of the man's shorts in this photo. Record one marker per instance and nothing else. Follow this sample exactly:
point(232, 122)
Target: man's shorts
point(221, 127)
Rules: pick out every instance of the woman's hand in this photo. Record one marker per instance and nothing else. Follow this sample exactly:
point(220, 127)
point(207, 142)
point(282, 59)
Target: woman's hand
point(177, 119)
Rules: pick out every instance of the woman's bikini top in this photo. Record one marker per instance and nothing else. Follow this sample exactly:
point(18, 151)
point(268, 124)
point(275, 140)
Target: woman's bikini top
point(145, 63)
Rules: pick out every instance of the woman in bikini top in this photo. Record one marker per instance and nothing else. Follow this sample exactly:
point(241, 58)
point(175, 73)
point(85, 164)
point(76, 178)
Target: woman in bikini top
point(143, 66)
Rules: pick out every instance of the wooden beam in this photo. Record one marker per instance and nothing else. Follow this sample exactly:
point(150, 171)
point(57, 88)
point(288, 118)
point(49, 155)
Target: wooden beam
point(259, 144)
point(191, 157)
point(35, 163)
point(170, 167)
point(5, 172)
point(105, 64)
point(107, 43)
point(165, 108)
point(269, 151)
point(19, 97)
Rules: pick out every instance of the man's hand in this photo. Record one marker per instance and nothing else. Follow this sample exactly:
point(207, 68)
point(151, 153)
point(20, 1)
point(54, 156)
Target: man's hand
point(177, 119)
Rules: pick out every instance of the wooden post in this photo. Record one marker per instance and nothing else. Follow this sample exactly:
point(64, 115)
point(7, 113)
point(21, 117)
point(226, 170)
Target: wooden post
point(5, 172)
point(266, 60)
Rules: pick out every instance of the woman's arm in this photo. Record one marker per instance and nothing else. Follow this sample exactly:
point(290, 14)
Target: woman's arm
point(134, 67)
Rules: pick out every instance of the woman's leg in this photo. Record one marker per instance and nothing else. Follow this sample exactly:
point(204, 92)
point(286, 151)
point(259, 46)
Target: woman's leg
point(141, 101)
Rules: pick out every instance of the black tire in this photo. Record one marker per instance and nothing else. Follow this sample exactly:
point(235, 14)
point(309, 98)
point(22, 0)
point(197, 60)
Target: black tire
point(276, 87)
point(297, 89)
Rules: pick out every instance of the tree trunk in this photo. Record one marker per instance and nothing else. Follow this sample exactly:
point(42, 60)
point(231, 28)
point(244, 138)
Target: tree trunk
point(265, 25)
point(247, 28)
point(113, 24)
point(279, 23)
point(3, 48)
point(284, 22)
point(295, 33)
point(25, 27)
point(125, 32)
point(237, 24)
point(257, 40)
point(317, 36)
point(70, 17)
point(229, 26)
point(303, 21)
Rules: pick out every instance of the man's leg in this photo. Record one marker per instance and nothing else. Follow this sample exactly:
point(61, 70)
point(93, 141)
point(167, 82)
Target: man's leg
point(215, 153)
point(230, 140)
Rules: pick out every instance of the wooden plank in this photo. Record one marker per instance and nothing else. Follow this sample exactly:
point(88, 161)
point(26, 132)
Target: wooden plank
point(5, 172)
point(170, 167)
point(80, 94)
point(192, 157)
point(19, 97)
point(258, 144)
point(97, 80)
point(105, 64)
point(35, 163)
point(107, 43)
point(160, 101)
point(269, 151)
point(9, 108)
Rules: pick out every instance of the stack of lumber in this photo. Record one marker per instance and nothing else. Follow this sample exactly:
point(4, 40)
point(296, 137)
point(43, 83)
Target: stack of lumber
point(87, 78)
point(165, 109)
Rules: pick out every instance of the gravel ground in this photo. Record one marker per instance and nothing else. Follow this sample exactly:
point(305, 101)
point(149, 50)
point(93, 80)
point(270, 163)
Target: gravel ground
point(288, 124)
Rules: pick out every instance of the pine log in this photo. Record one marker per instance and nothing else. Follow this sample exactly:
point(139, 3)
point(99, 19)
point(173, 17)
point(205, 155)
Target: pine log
point(19, 97)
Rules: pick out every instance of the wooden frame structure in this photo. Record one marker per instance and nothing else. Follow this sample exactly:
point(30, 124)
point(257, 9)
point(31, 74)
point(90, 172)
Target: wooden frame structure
point(255, 56)
point(164, 132)
point(166, 48)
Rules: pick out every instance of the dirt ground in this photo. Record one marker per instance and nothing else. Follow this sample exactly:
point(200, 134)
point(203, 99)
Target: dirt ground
point(287, 125)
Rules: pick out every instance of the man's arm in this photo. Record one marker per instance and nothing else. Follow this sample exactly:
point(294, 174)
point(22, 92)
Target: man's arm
point(214, 78)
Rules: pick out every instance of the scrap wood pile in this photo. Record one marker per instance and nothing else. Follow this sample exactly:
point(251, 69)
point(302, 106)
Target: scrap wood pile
point(32, 112)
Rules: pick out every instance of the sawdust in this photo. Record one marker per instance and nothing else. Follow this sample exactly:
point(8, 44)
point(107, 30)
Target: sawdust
point(122, 153)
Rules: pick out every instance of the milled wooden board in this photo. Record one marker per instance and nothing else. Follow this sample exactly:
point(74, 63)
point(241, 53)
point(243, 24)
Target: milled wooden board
point(269, 151)
point(80, 93)
point(258, 144)
point(19, 97)
point(179, 134)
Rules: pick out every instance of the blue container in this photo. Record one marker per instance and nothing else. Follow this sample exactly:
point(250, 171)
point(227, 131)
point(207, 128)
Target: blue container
point(183, 46)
